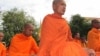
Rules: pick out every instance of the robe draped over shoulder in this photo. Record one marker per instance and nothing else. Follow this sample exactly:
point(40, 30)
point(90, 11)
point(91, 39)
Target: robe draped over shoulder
point(56, 38)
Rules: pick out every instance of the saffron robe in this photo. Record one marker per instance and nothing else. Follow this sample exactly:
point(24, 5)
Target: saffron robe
point(22, 46)
point(56, 39)
point(94, 39)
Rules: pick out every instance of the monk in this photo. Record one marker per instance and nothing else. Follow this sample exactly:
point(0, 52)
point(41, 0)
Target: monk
point(76, 36)
point(82, 42)
point(2, 47)
point(56, 38)
point(94, 36)
point(23, 44)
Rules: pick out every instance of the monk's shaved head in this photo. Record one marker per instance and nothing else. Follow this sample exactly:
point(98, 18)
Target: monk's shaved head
point(26, 25)
point(28, 29)
point(96, 23)
point(59, 6)
point(56, 2)
point(95, 20)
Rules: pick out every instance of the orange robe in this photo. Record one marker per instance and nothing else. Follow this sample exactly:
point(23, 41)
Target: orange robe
point(94, 39)
point(2, 50)
point(97, 53)
point(22, 46)
point(80, 43)
point(56, 39)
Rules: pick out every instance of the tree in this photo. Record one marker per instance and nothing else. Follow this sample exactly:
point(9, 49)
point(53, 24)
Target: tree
point(80, 24)
point(13, 22)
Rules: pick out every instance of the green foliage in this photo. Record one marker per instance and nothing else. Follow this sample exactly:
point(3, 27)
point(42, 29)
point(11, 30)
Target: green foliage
point(13, 22)
point(80, 24)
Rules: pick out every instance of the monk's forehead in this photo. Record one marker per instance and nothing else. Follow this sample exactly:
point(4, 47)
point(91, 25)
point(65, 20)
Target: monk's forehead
point(28, 25)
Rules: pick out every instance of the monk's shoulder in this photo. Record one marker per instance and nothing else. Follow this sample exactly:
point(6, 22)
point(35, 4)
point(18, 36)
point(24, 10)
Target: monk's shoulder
point(48, 17)
point(31, 38)
point(2, 46)
point(17, 36)
point(91, 32)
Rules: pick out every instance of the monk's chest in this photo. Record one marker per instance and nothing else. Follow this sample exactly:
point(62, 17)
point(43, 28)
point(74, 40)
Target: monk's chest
point(23, 44)
point(61, 25)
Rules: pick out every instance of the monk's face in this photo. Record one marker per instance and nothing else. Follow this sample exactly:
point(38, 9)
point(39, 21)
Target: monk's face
point(96, 24)
point(60, 7)
point(28, 30)
point(1, 36)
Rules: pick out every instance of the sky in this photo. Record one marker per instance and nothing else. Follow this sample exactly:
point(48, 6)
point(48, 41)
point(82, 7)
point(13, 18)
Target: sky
point(39, 8)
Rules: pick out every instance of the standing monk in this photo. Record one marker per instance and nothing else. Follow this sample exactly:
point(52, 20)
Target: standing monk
point(2, 47)
point(23, 44)
point(56, 39)
point(94, 36)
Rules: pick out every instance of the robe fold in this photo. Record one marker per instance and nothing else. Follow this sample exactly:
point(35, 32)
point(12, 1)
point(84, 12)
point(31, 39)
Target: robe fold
point(78, 41)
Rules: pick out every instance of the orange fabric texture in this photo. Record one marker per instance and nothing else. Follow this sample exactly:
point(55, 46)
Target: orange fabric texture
point(78, 41)
point(94, 39)
point(22, 45)
point(56, 39)
point(97, 53)
point(2, 50)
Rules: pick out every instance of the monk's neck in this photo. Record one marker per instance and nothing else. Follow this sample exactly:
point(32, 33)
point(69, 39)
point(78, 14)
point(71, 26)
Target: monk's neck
point(58, 15)
point(96, 28)
point(25, 35)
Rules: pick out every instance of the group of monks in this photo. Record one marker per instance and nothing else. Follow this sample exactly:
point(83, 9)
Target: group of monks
point(55, 38)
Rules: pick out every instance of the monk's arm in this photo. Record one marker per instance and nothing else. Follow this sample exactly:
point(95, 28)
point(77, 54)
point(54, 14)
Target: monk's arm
point(48, 30)
point(12, 45)
point(35, 47)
